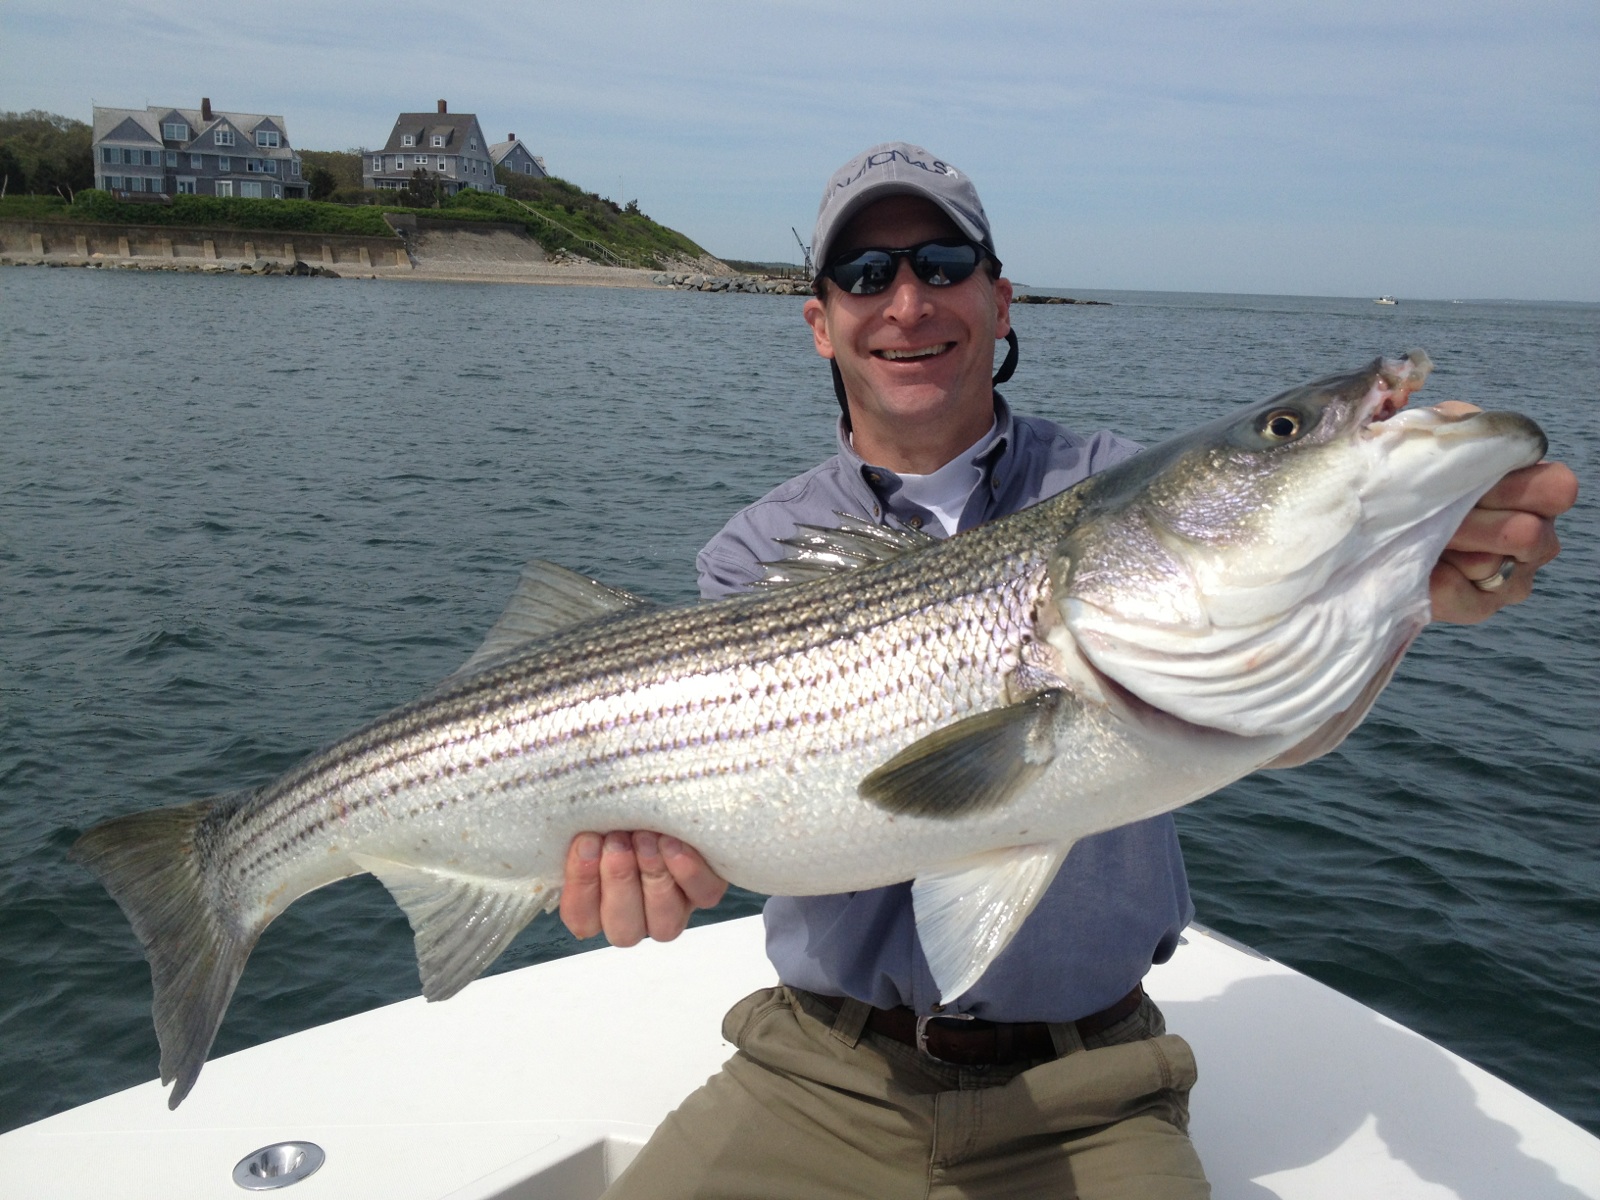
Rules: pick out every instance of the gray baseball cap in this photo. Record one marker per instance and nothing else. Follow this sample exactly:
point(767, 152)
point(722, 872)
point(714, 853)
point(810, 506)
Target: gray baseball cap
point(896, 169)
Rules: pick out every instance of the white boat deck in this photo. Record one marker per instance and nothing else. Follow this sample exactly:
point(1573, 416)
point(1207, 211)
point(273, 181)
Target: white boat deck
point(543, 1082)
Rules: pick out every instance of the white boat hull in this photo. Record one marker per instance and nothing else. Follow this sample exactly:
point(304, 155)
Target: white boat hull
point(544, 1082)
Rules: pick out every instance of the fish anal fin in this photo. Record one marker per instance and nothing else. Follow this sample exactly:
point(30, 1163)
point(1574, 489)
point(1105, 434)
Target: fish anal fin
point(974, 765)
point(548, 598)
point(150, 864)
point(968, 912)
point(461, 923)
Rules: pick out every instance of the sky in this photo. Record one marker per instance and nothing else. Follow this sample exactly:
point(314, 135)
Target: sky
point(1445, 149)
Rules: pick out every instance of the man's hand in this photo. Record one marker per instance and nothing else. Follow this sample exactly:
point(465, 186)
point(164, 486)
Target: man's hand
point(1515, 519)
point(633, 886)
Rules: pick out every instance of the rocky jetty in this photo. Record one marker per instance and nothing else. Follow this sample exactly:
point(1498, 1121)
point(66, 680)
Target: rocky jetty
point(1057, 300)
point(755, 284)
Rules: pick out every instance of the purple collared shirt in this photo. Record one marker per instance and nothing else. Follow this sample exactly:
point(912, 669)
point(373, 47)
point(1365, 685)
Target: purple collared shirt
point(1121, 898)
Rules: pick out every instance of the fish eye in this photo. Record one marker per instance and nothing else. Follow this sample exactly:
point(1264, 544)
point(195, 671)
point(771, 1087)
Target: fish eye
point(1281, 424)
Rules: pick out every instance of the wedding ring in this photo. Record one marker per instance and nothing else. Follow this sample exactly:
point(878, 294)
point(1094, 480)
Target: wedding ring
point(1498, 580)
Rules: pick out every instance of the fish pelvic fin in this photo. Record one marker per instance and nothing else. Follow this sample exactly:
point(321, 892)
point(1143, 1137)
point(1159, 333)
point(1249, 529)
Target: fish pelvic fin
point(154, 868)
point(461, 923)
point(974, 765)
point(968, 911)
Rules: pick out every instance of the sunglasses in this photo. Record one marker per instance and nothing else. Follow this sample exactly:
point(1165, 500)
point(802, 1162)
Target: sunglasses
point(942, 262)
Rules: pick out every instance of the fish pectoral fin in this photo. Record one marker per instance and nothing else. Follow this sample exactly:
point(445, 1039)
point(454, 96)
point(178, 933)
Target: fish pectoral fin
point(975, 765)
point(461, 922)
point(548, 598)
point(968, 912)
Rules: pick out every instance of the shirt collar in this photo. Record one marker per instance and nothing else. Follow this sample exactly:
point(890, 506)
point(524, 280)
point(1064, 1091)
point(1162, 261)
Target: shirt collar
point(996, 461)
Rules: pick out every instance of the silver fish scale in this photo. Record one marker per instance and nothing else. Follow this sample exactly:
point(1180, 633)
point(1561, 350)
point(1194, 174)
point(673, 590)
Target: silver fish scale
point(678, 720)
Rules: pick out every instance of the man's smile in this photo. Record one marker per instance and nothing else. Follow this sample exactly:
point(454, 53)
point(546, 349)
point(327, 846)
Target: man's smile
point(921, 352)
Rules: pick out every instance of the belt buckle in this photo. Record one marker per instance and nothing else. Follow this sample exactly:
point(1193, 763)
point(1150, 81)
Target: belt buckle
point(922, 1031)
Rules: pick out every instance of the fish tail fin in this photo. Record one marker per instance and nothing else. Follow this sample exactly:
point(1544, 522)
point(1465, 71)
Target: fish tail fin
point(153, 864)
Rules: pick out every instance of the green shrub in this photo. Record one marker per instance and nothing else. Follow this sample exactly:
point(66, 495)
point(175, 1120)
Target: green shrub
point(307, 216)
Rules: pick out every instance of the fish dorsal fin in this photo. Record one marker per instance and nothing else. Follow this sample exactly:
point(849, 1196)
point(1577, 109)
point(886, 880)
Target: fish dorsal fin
point(548, 599)
point(816, 551)
point(972, 766)
point(968, 912)
point(461, 922)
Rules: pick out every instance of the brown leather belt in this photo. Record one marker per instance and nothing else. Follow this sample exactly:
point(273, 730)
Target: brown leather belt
point(974, 1042)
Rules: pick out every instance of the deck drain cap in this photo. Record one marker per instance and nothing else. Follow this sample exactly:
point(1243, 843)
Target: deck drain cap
point(278, 1165)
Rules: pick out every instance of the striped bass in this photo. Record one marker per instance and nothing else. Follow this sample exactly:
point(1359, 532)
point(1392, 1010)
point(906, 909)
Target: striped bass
point(954, 713)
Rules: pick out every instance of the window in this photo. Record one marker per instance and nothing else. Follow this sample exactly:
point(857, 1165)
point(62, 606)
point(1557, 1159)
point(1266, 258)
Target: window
point(250, 190)
point(174, 131)
point(108, 154)
point(172, 158)
point(399, 162)
point(438, 139)
point(252, 165)
point(197, 162)
point(224, 187)
point(277, 192)
point(421, 159)
point(135, 183)
point(267, 139)
point(270, 166)
point(114, 182)
point(473, 144)
point(441, 162)
point(129, 156)
point(408, 139)
point(185, 185)
point(224, 163)
point(223, 137)
point(527, 168)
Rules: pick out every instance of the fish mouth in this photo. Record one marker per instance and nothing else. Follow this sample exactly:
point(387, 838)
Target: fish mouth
point(1392, 384)
point(914, 354)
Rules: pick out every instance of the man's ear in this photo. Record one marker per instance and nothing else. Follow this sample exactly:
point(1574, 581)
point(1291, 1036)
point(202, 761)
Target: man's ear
point(817, 317)
point(1002, 306)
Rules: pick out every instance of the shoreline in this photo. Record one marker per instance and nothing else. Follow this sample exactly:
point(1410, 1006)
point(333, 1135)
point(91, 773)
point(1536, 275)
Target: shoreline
point(551, 273)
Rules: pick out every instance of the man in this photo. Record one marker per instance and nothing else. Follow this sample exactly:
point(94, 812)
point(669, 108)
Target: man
point(1053, 1075)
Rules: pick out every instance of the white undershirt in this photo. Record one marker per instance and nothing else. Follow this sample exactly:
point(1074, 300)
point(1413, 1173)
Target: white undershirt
point(946, 491)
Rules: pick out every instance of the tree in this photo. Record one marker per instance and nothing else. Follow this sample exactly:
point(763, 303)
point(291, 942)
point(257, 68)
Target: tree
point(423, 190)
point(55, 153)
point(322, 183)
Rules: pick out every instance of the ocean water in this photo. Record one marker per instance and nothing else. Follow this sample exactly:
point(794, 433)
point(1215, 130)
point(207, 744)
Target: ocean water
point(238, 517)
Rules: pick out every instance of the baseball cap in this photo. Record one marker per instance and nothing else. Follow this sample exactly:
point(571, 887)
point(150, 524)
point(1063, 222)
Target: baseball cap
point(896, 169)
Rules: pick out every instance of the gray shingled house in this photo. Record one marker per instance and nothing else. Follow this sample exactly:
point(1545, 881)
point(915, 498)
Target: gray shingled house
point(513, 154)
point(199, 152)
point(448, 145)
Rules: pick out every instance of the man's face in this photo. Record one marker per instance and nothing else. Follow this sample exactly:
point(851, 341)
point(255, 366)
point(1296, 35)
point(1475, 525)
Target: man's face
point(916, 360)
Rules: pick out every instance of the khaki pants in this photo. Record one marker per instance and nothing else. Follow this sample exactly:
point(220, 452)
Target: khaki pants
point(811, 1107)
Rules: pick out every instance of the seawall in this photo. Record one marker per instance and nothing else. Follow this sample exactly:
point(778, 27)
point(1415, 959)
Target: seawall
point(186, 247)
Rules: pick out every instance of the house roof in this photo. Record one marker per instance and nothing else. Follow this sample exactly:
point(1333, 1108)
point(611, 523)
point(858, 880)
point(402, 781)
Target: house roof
point(453, 127)
point(136, 124)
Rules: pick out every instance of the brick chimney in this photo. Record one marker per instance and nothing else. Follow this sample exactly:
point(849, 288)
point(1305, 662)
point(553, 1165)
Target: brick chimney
point(511, 137)
point(205, 108)
point(443, 107)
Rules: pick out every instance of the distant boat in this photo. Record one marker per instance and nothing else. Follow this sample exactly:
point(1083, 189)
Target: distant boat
point(1386, 300)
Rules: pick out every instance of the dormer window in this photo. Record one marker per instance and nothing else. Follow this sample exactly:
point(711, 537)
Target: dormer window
point(438, 139)
point(408, 139)
point(223, 137)
point(174, 131)
point(267, 139)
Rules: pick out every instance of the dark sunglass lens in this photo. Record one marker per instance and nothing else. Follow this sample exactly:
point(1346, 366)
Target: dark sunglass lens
point(865, 274)
point(943, 265)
